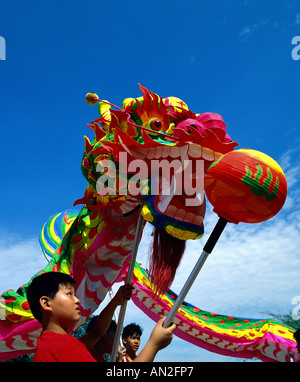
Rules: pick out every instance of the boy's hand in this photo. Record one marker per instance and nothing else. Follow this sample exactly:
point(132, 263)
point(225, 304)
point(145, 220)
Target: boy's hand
point(121, 354)
point(160, 336)
point(159, 339)
point(123, 294)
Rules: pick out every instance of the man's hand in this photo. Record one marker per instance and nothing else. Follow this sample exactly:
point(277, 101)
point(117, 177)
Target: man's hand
point(159, 339)
point(123, 294)
point(160, 336)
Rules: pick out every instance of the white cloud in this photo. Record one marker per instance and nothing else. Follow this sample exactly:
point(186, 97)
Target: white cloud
point(248, 31)
point(19, 259)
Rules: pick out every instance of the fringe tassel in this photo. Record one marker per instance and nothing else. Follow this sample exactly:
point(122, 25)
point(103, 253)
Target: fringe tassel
point(165, 256)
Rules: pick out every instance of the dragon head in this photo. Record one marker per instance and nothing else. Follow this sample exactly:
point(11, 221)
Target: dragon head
point(156, 151)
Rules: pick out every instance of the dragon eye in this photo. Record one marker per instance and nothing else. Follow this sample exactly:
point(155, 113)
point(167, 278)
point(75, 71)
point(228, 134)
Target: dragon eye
point(155, 124)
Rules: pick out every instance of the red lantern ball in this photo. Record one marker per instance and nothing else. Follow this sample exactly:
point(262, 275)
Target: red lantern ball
point(246, 186)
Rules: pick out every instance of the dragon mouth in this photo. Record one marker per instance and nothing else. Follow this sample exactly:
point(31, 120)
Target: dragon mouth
point(171, 198)
point(177, 210)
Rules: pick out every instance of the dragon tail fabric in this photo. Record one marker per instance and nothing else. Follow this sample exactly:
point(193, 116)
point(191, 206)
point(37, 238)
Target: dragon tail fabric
point(265, 339)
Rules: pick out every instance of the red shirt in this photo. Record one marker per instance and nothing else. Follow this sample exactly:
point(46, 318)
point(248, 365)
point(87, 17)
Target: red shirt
point(55, 347)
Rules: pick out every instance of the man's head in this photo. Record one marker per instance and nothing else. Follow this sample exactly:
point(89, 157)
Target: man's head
point(105, 343)
point(52, 293)
point(108, 338)
point(131, 337)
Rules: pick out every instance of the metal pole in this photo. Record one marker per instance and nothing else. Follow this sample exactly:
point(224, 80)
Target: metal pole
point(111, 296)
point(193, 275)
point(137, 238)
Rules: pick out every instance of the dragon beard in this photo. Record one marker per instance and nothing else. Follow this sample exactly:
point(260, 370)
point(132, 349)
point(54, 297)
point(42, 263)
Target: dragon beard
point(165, 255)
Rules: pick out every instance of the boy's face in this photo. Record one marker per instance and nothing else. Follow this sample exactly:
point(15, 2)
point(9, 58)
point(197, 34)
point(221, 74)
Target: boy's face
point(65, 307)
point(132, 343)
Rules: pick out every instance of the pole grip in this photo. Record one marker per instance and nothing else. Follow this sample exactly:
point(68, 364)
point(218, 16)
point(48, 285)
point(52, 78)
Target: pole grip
point(216, 233)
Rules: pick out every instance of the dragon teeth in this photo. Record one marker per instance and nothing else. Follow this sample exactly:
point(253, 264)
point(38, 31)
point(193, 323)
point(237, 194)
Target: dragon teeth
point(175, 152)
point(208, 154)
point(194, 151)
point(165, 151)
point(158, 152)
point(151, 153)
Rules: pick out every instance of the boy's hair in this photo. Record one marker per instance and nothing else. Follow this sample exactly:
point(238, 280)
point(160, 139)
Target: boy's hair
point(297, 335)
point(46, 284)
point(131, 329)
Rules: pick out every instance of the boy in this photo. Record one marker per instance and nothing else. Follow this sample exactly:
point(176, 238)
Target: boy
point(53, 303)
point(131, 338)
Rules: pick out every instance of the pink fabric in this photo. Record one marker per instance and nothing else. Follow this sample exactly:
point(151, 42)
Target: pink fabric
point(27, 331)
point(265, 348)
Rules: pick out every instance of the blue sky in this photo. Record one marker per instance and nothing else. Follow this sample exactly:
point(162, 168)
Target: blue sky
point(232, 58)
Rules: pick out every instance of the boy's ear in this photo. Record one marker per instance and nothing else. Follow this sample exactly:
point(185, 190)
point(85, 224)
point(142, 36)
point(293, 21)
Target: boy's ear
point(45, 303)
